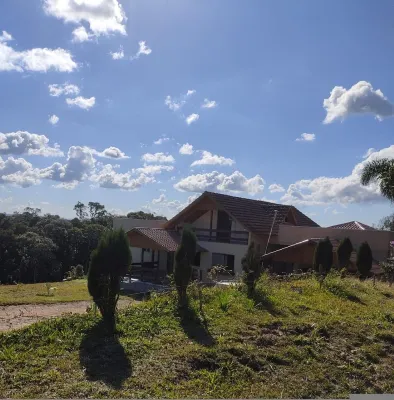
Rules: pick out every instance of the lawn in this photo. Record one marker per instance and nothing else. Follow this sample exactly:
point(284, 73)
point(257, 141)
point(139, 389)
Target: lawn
point(293, 340)
point(36, 293)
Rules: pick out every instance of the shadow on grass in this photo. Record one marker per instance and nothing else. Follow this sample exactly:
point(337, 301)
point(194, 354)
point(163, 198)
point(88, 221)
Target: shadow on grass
point(343, 293)
point(193, 327)
point(103, 357)
point(262, 300)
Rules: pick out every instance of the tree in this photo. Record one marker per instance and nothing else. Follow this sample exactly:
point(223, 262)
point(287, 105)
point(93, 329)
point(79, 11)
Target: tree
point(388, 270)
point(387, 223)
point(144, 215)
point(108, 265)
point(381, 171)
point(364, 260)
point(184, 258)
point(252, 268)
point(344, 252)
point(80, 210)
point(323, 257)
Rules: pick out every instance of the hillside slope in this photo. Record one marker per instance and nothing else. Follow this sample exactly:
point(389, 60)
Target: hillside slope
point(294, 340)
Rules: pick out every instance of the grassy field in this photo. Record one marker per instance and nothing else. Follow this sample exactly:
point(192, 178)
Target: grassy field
point(293, 340)
point(37, 293)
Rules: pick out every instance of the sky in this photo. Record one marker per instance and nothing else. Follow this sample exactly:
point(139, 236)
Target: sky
point(144, 104)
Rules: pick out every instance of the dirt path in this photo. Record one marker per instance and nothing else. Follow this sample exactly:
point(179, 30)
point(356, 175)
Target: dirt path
point(18, 316)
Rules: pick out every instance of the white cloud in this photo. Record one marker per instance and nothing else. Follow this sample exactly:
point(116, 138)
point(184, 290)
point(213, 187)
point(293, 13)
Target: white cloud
point(186, 149)
point(190, 92)
point(161, 140)
point(236, 182)
point(143, 49)
point(5, 200)
point(359, 99)
point(343, 190)
point(104, 17)
point(108, 178)
point(209, 104)
point(118, 55)
point(80, 35)
point(34, 60)
point(82, 102)
point(177, 104)
point(53, 119)
point(157, 158)
point(306, 137)
point(212, 159)
point(149, 169)
point(22, 142)
point(64, 88)
point(111, 152)
point(19, 172)
point(66, 185)
point(160, 199)
point(192, 118)
point(369, 152)
point(276, 188)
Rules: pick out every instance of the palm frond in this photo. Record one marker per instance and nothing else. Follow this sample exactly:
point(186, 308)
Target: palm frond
point(376, 170)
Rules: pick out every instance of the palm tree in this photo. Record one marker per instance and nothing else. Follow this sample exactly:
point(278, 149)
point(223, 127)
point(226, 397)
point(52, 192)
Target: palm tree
point(383, 172)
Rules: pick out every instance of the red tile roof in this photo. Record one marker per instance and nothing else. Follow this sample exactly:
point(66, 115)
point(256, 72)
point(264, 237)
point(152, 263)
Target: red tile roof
point(355, 225)
point(169, 240)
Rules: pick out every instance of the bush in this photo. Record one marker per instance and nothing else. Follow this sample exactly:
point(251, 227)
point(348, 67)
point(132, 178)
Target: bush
point(344, 252)
point(388, 269)
point(252, 268)
point(108, 265)
point(364, 260)
point(184, 258)
point(323, 256)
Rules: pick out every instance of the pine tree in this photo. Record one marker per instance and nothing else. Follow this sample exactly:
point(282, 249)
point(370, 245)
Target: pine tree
point(344, 252)
point(184, 258)
point(252, 267)
point(108, 265)
point(364, 260)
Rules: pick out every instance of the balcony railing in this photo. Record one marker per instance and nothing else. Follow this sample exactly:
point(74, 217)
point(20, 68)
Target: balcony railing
point(222, 236)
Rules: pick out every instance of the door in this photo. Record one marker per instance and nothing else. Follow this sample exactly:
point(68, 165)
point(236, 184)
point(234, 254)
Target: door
point(223, 233)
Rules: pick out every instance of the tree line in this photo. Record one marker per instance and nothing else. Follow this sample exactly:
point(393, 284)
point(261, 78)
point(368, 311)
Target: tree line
point(43, 248)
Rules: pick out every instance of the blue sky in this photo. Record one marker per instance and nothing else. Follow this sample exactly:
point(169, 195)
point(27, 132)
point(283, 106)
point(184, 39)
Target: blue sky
point(263, 70)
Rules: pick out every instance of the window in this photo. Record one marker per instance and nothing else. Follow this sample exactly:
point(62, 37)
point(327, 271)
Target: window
point(225, 260)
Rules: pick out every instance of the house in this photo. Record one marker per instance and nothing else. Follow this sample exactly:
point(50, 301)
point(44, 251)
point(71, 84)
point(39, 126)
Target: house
point(225, 226)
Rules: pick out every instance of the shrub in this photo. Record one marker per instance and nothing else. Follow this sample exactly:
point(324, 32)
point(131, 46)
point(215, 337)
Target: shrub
point(344, 252)
point(108, 265)
point(252, 268)
point(388, 269)
point(364, 260)
point(79, 271)
point(184, 257)
point(323, 257)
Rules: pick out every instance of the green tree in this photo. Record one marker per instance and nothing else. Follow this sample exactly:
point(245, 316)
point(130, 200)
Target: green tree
point(323, 257)
point(387, 223)
point(252, 268)
point(344, 252)
point(364, 260)
point(108, 265)
point(184, 258)
point(144, 215)
point(80, 210)
point(381, 171)
point(388, 270)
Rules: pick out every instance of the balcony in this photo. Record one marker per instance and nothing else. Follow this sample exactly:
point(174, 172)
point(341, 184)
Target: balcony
point(222, 236)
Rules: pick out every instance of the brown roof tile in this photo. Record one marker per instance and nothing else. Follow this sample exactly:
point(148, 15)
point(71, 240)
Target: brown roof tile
point(355, 225)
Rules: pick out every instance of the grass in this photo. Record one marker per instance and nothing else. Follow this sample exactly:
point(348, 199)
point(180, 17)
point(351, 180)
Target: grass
point(293, 340)
point(37, 293)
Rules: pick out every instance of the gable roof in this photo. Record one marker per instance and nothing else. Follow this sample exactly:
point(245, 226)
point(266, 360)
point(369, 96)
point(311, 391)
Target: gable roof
point(255, 215)
point(355, 225)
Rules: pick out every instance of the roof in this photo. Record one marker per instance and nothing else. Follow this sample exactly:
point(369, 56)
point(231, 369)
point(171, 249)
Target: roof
point(255, 215)
point(355, 225)
point(168, 240)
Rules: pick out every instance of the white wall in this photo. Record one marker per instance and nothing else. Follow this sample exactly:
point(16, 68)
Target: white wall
point(129, 223)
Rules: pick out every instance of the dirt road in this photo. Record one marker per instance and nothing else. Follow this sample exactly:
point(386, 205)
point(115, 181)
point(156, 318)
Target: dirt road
point(18, 316)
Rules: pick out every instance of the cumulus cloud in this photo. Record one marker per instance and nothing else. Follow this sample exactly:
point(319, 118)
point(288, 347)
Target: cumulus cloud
point(53, 119)
point(117, 55)
point(80, 35)
point(108, 178)
point(143, 50)
point(160, 199)
point(19, 172)
point(34, 60)
point(212, 159)
point(306, 137)
point(22, 142)
point(276, 188)
point(104, 17)
point(66, 88)
point(177, 103)
point(158, 158)
point(236, 182)
point(343, 190)
point(361, 98)
point(149, 169)
point(186, 149)
point(82, 102)
point(161, 140)
point(192, 118)
point(209, 104)
point(111, 152)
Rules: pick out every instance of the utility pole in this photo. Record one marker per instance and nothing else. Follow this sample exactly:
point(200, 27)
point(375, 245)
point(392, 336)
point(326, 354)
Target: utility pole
point(272, 226)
